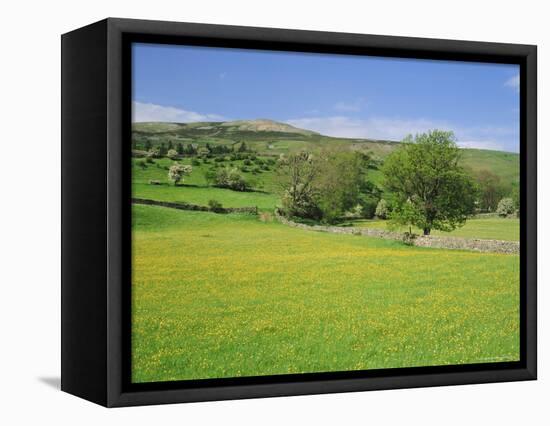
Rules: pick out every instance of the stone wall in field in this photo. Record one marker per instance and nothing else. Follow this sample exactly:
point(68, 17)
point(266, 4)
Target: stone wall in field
point(194, 207)
point(492, 246)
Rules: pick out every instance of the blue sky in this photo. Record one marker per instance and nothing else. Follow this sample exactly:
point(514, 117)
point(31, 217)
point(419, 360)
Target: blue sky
point(336, 95)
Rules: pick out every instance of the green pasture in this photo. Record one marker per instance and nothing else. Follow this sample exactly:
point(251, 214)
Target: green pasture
point(229, 296)
point(195, 190)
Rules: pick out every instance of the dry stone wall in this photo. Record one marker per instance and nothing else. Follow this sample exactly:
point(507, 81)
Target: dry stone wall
point(195, 207)
point(453, 243)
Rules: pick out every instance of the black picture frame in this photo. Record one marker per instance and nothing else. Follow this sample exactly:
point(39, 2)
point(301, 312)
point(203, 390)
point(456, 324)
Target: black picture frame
point(96, 221)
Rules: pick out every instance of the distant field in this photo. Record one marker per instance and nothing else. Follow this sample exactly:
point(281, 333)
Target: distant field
point(195, 190)
point(503, 164)
point(228, 296)
point(201, 196)
point(493, 228)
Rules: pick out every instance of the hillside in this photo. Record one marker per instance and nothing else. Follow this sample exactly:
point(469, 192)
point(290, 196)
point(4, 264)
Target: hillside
point(272, 138)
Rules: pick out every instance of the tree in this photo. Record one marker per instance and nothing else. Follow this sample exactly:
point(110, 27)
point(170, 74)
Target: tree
point(404, 214)
point(190, 149)
point(425, 172)
point(322, 187)
point(382, 209)
point(505, 207)
point(153, 153)
point(147, 145)
point(162, 149)
point(229, 177)
point(338, 182)
point(170, 145)
point(243, 147)
point(491, 190)
point(295, 176)
point(178, 171)
point(516, 199)
point(172, 154)
point(180, 149)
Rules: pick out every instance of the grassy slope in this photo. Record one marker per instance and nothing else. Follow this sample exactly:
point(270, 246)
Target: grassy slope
point(493, 228)
point(195, 189)
point(227, 295)
point(504, 164)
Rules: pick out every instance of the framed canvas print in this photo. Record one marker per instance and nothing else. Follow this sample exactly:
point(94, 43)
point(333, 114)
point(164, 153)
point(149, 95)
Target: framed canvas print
point(253, 212)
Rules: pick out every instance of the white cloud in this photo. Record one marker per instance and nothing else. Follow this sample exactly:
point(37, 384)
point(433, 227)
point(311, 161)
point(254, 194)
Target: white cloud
point(151, 112)
point(495, 146)
point(372, 128)
point(513, 82)
point(395, 129)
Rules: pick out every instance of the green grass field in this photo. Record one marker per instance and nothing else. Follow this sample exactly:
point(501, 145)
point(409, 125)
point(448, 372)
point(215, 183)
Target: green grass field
point(195, 190)
point(229, 296)
point(491, 228)
point(217, 295)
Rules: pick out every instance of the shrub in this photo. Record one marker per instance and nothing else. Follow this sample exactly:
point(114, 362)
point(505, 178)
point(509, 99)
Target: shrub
point(357, 211)
point(153, 153)
point(247, 162)
point(219, 159)
point(256, 170)
point(408, 238)
point(172, 154)
point(215, 205)
point(154, 182)
point(150, 160)
point(230, 178)
point(505, 207)
point(177, 172)
point(369, 207)
point(195, 162)
point(142, 164)
point(382, 209)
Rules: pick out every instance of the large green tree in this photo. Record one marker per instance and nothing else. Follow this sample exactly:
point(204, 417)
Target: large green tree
point(296, 176)
point(321, 186)
point(339, 182)
point(431, 189)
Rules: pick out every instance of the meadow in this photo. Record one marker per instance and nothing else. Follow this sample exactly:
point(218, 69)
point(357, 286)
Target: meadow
point(228, 295)
point(234, 295)
point(195, 189)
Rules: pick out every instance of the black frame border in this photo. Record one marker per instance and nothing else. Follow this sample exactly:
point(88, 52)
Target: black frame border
point(120, 34)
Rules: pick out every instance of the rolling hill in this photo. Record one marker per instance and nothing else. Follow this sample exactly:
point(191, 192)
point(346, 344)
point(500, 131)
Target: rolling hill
point(272, 138)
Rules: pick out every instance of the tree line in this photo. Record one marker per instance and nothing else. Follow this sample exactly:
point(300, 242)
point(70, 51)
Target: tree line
point(425, 185)
point(190, 149)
